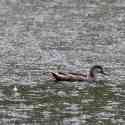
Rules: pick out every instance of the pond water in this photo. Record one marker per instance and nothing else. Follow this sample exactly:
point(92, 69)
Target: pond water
point(38, 36)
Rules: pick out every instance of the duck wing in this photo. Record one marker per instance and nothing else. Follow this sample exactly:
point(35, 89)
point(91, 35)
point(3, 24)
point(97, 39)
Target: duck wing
point(63, 73)
point(72, 73)
point(78, 74)
point(68, 77)
point(59, 76)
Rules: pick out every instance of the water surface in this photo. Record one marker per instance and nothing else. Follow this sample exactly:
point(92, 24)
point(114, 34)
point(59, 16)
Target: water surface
point(41, 36)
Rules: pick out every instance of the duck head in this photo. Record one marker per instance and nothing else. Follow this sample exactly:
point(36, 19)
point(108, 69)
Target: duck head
point(96, 69)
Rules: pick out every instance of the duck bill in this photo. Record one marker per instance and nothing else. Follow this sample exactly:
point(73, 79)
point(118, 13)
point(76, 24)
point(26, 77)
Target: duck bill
point(105, 73)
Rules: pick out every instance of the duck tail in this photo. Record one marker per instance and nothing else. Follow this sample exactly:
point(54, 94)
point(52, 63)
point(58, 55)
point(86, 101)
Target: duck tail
point(55, 75)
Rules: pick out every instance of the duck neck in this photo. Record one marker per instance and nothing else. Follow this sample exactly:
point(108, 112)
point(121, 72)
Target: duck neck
point(92, 74)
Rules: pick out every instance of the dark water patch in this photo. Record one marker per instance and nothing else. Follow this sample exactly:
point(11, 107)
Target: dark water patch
point(58, 101)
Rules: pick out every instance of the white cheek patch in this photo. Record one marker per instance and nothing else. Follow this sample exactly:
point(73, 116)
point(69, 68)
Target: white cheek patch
point(98, 70)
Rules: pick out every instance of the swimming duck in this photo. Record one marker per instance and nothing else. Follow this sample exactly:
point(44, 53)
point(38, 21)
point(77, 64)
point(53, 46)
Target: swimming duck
point(91, 76)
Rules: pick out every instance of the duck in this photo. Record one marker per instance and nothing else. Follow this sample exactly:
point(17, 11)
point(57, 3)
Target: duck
point(71, 76)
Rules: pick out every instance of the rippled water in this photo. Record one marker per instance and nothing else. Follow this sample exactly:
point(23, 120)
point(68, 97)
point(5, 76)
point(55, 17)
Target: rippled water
point(38, 36)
